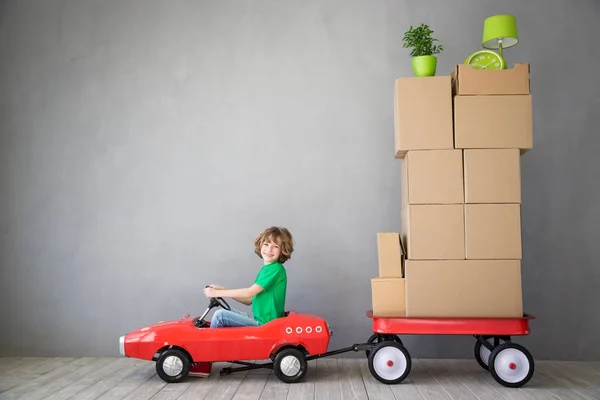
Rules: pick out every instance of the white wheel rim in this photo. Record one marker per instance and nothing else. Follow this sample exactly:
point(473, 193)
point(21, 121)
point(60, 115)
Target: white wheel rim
point(172, 366)
point(484, 353)
point(290, 366)
point(389, 363)
point(511, 365)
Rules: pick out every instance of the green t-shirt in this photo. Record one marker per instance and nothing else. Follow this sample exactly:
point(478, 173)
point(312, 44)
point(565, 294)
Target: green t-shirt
point(270, 303)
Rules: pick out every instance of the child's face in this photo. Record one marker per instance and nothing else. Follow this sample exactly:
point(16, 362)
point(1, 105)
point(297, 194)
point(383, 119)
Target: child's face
point(270, 251)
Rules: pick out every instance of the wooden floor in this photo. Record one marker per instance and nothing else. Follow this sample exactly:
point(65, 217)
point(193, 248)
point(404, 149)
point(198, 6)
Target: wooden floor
point(328, 378)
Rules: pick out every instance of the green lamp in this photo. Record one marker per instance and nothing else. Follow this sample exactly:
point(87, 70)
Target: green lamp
point(499, 32)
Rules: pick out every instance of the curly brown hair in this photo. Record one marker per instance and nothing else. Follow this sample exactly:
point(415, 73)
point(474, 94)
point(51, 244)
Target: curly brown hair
point(278, 235)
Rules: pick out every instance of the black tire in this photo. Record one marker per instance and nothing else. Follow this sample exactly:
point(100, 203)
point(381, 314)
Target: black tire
point(389, 354)
point(290, 365)
point(374, 338)
point(173, 366)
point(511, 365)
point(479, 349)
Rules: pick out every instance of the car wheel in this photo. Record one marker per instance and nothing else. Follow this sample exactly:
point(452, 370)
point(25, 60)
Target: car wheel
point(290, 365)
point(173, 366)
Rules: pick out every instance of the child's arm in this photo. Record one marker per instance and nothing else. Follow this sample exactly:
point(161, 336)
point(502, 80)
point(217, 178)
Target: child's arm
point(243, 296)
point(244, 300)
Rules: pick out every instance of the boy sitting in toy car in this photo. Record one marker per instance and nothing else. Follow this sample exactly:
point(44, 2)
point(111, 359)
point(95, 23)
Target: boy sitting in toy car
point(266, 296)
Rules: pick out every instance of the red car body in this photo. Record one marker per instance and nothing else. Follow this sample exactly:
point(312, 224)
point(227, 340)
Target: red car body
point(308, 332)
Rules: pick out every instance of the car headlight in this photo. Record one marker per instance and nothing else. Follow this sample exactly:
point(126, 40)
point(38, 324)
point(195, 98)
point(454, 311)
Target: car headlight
point(122, 345)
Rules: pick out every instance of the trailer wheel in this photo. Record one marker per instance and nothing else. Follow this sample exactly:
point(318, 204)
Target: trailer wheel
point(511, 365)
point(290, 365)
point(389, 362)
point(482, 354)
point(377, 337)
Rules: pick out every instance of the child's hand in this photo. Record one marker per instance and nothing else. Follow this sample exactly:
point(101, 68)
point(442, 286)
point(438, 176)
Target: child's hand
point(210, 292)
point(217, 287)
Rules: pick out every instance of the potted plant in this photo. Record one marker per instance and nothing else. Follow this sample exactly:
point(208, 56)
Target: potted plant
point(423, 49)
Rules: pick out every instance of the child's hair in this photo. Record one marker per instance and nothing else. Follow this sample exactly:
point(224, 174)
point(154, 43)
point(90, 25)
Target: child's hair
point(278, 235)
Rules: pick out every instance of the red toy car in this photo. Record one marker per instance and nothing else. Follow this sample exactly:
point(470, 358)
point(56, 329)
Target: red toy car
point(175, 345)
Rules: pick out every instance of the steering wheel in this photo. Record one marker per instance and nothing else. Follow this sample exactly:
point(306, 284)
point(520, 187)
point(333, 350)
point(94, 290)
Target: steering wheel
point(219, 301)
point(214, 302)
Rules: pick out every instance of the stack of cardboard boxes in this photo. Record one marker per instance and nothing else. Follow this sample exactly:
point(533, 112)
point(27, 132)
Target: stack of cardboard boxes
point(459, 139)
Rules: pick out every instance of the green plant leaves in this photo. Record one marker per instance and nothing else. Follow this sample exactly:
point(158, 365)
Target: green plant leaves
point(421, 41)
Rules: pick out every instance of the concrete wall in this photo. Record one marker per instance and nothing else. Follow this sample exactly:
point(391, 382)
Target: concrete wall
point(144, 144)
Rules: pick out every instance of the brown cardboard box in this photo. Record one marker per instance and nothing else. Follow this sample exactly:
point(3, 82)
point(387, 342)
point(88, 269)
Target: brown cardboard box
point(467, 80)
point(434, 232)
point(432, 177)
point(387, 295)
point(422, 114)
point(483, 122)
point(389, 253)
point(493, 231)
point(464, 288)
point(492, 176)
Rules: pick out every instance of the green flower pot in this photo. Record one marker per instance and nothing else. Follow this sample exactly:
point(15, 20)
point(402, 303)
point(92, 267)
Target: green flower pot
point(424, 65)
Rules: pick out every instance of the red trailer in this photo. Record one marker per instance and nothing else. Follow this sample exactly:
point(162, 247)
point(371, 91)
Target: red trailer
point(510, 363)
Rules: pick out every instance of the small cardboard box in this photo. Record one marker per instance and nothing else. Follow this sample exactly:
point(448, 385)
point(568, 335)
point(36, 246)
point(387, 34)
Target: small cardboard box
point(467, 80)
point(493, 231)
point(390, 254)
point(492, 176)
point(484, 122)
point(432, 177)
point(422, 114)
point(434, 231)
point(464, 288)
point(388, 297)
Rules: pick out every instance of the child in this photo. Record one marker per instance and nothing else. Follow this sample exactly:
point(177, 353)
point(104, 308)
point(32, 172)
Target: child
point(266, 296)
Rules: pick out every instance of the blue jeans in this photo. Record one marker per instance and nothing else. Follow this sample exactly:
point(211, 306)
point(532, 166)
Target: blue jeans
point(223, 318)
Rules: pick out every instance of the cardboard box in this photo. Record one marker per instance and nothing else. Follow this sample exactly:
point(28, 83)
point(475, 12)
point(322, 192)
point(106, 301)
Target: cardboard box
point(467, 80)
point(464, 288)
point(492, 176)
point(483, 122)
point(422, 114)
point(390, 253)
point(493, 231)
point(432, 177)
point(434, 232)
point(388, 297)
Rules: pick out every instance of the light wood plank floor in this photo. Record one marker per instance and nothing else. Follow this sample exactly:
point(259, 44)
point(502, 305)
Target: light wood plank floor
point(327, 378)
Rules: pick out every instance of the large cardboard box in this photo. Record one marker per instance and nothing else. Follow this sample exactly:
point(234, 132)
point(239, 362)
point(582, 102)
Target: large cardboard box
point(432, 177)
point(493, 231)
point(482, 122)
point(390, 254)
point(467, 80)
point(387, 295)
point(492, 176)
point(463, 288)
point(434, 232)
point(422, 114)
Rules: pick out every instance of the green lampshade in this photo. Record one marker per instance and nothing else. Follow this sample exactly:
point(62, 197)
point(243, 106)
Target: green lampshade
point(500, 27)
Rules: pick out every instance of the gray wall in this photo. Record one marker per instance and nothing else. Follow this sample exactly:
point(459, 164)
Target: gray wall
point(143, 145)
